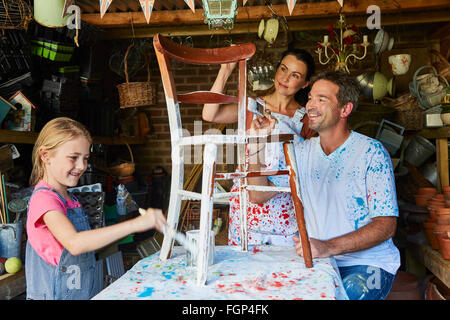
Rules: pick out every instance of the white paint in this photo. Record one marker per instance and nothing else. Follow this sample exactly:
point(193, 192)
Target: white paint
point(209, 158)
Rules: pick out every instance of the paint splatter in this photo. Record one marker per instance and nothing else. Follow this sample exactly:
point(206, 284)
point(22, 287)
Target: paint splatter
point(147, 292)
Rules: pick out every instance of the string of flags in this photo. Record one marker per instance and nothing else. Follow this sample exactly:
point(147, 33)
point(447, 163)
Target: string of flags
point(147, 6)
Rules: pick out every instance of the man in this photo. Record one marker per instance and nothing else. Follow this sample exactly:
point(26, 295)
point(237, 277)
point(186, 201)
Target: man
point(347, 189)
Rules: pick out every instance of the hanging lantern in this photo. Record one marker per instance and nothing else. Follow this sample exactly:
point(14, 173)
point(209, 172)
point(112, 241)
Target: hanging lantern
point(50, 13)
point(220, 13)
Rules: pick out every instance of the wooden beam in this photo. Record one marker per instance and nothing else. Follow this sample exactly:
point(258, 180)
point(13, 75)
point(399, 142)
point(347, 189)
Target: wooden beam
point(252, 27)
point(255, 13)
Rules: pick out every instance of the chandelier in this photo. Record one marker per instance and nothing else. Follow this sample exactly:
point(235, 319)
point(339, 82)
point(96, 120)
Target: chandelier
point(341, 46)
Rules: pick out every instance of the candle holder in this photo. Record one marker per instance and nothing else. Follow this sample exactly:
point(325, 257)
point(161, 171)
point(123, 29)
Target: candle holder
point(343, 47)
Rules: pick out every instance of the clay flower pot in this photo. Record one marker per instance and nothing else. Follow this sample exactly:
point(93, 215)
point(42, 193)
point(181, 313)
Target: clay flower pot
point(446, 190)
point(429, 231)
point(421, 200)
point(443, 211)
point(433, 214)
point(438, 196)
point(443, 219)
point(444, 245)
point(427, 191)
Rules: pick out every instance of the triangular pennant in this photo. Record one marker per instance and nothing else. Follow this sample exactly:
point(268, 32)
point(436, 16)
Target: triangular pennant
point(291, 5)
point(104, 5)
point(147, 7)
point(341, 2)
point(191, 4)
point(67, 3)
point(245, 1)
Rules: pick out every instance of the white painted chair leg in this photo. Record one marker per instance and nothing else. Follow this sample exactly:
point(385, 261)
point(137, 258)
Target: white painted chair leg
point(174, 201)
point(209, 159)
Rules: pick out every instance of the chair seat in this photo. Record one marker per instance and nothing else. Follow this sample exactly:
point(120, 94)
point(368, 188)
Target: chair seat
point(234, 139)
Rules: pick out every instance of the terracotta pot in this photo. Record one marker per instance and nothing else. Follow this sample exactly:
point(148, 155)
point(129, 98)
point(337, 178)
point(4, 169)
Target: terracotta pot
point(443, 211)
point(432, 213)
point(429, 231)
point(438, 196)
point(441, 228)
point(404, 287)
point(443, 220)
point(421, 200)
point(436, 203)
point(434, 290)
point(444, 245)
point(427, 191)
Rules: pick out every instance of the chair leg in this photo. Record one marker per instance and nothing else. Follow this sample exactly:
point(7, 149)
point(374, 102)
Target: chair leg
point(289, 154)
point(243, 199)
point(209, 163)
point(174, 201)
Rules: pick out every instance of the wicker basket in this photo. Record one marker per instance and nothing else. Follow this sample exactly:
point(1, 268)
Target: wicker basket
point(124, 169)
point(136, 94)
point(408, 112)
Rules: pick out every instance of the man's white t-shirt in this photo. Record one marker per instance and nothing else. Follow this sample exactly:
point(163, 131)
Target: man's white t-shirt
point(341, 192)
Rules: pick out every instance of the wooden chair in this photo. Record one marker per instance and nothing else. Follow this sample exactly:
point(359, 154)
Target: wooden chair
point(167, 50)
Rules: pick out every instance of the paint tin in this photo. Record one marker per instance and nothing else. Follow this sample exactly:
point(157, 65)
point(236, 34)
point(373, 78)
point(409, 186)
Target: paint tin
point(193, 235)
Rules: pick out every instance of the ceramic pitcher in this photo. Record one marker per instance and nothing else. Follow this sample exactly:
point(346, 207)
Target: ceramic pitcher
point(400, 63)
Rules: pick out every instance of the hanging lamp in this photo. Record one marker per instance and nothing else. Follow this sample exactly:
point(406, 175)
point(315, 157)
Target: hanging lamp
point(220, 13)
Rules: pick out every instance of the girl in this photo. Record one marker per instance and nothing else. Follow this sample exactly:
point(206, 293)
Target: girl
point(270, 216)
point(60, 261)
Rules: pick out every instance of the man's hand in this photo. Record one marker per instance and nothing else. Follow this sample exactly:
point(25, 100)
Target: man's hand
point(319, 249)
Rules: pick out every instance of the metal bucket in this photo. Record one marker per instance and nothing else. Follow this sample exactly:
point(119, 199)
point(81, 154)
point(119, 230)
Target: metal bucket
point(49, 13)
point(10, 239)
point(419, 150)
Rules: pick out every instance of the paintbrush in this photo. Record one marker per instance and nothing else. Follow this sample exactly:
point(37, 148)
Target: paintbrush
point(180, 237)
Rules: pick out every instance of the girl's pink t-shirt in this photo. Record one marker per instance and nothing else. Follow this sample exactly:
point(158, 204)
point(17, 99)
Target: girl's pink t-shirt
point(39, 236)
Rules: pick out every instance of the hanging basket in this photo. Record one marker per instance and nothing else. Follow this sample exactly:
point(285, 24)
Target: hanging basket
point(136, 94)
point(124, 169)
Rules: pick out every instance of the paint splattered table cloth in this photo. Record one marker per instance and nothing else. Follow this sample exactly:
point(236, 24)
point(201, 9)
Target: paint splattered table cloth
point(264, 272)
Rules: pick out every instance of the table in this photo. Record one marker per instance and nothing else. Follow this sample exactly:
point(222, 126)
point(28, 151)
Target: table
point(264, 272)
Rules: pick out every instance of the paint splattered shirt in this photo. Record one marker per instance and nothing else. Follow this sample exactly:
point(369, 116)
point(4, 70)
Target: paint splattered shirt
point(343, 191)
point(277, 215)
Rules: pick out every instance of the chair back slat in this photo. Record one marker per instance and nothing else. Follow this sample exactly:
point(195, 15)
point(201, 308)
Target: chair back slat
point(206, 97)
point(203, 55)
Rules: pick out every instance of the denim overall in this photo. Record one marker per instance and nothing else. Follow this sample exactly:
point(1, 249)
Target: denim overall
point(73, 278)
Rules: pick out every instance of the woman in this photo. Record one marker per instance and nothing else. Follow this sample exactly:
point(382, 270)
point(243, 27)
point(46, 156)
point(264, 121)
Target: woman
point(271, 216)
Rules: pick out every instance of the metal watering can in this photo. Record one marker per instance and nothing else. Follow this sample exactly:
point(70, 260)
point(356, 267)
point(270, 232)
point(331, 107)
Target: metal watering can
point(427, 88)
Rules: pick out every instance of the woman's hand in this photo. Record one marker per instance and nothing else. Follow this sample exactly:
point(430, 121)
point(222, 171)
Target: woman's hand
point(151, 219)
point(227, 68)
point(262, 125)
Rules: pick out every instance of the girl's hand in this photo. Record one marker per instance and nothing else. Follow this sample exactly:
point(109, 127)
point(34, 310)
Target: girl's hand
point(151, 219)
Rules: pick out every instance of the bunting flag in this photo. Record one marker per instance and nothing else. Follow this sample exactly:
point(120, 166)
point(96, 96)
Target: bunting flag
point(104, 4)
point(341, 2)
point(191, 4)
point(147, 7)
point(291, 5)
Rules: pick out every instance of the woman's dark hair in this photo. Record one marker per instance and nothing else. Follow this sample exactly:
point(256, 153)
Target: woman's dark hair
point(304, 56)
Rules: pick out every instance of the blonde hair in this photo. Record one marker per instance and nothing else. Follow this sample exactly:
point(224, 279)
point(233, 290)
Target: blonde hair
point(53, 134)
